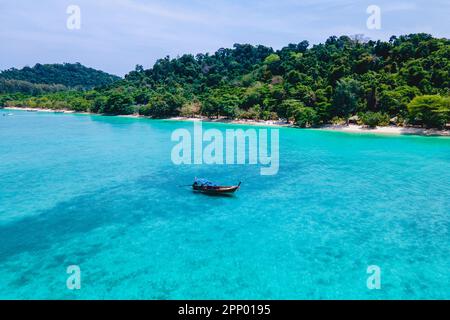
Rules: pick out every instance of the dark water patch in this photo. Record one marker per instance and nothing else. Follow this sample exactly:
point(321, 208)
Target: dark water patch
point(127, 204)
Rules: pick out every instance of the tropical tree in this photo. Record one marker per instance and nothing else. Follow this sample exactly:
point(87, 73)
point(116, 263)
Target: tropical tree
point(164, 105)
point(118, 103)
point(374, 119)
point(305, 117)
point(346, 100)
point(430, 110)
point(288, 109)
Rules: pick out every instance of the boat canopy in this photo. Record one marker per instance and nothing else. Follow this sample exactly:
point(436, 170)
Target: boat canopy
point(204, 183)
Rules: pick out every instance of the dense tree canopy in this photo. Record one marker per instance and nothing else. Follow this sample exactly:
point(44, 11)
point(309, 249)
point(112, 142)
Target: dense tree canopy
point(309, 85)
point(52, 77)
point(433, 111)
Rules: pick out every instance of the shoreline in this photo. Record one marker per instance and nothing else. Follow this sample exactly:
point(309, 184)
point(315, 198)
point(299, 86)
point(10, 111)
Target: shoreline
point(43, 110)
point(261, 123)
point(389, 130)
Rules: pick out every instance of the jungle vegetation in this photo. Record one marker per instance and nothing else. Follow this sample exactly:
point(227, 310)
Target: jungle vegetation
point(404, 80)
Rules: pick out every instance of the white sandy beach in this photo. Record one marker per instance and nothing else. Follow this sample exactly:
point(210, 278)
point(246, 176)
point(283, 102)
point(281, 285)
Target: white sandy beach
point(389, 130)
point(392, 130)
point(270, 123)
point(40, 110)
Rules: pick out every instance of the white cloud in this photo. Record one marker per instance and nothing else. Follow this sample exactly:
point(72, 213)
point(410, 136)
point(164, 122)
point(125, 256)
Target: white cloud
point(118, 33)
point(399, 6)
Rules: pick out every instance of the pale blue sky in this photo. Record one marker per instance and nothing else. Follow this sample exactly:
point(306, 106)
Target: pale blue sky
point(116, 35)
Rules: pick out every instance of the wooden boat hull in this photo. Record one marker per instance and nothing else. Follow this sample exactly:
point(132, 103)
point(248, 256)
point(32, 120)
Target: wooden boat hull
point(216, 190)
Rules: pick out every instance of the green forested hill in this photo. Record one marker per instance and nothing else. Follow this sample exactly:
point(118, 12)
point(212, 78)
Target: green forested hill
point(407, 77)
point(53, 77)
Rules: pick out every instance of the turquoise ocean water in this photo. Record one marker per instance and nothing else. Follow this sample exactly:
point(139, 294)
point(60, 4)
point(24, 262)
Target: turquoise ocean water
point(102, 193)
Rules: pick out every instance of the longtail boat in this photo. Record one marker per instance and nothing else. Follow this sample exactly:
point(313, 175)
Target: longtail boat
point(205, 186)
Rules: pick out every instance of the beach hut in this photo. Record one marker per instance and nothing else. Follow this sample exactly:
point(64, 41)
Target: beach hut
point(353, 120)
